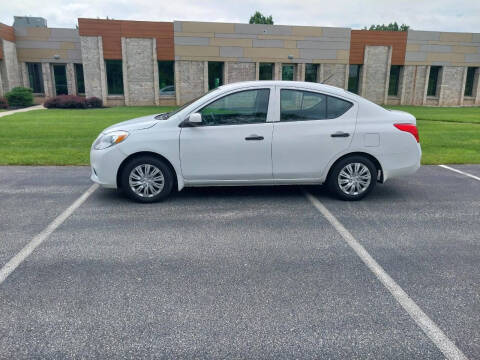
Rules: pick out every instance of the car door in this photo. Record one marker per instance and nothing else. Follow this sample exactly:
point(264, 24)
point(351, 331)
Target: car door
point(312, 128)
point(234, 140)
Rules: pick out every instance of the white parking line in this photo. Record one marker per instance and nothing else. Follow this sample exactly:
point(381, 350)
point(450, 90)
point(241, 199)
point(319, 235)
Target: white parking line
point(10, 266)
point(446, 346)
point(460, 172)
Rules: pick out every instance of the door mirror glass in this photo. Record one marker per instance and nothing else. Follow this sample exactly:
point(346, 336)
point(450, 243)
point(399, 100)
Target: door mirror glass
point(195, 118)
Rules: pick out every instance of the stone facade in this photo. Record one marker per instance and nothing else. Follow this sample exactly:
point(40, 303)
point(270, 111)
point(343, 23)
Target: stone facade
point(11, 75)
point(335, 75)
point(93, 67)
point(240, 71)
point(139, 63)
point(189, 80)
point(375, 72)
point(452, 86)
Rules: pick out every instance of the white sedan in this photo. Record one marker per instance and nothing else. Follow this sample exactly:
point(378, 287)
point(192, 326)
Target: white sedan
point(259, 133)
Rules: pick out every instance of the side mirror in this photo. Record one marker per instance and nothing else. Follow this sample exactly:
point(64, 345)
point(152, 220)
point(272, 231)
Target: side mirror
point(195, 118)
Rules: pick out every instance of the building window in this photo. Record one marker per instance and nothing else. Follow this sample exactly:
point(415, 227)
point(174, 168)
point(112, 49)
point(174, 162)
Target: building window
point(60, 77)
point(433, 80)
point(166, 77)
point(288, 72)
point(311, 72)
point(470, 81)
point(354, 78)
point(215, 74)
point(79, 78)
point(114, 77)
point(394, 80)
point(35, 77)
point(265, 71)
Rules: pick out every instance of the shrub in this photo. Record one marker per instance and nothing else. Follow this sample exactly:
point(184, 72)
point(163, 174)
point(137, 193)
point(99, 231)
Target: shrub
point(3, 103)
point(94, 102)
point(19, 97)
point(66, 102)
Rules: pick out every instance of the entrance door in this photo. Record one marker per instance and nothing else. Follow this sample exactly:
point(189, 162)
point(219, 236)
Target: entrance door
point(60, 75)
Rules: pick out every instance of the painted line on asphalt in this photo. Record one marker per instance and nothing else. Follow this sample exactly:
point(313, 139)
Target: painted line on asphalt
point(460, 172)
point(446, 346)
point(14, 262)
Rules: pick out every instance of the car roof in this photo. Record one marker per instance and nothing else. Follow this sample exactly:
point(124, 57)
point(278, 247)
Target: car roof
point(299, 84)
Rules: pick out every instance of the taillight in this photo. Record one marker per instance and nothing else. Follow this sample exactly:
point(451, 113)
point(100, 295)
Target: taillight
point(410, 128)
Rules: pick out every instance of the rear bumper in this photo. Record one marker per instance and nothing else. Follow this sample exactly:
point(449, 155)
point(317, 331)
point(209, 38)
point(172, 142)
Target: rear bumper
point(396, 165)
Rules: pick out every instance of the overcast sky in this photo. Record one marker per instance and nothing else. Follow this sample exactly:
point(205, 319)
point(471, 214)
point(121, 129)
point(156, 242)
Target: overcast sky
point(446, 15)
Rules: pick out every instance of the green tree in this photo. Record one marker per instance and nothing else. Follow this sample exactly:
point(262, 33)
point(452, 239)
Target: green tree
point(390, 27)
point(259, 18)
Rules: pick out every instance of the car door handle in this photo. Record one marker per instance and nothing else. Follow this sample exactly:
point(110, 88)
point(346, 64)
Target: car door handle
point(254, 137)
point(340, 134)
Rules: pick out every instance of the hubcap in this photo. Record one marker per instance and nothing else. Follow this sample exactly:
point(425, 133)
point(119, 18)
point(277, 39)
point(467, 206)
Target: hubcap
point(146, 180)
point(354, 178)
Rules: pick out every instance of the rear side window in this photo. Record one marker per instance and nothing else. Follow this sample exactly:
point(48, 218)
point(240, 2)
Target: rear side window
point(244, 107)
point(337, 107)
point(297, 105)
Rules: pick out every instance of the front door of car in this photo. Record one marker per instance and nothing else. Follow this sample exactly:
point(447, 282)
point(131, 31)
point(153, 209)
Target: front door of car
point(313, 128)
point(233, 141)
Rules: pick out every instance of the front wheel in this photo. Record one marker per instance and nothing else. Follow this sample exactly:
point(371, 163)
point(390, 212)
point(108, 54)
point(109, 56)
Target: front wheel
point(352, 178)
point(147, 179)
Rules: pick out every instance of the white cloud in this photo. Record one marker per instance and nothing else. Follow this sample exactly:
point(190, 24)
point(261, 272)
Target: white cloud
point(446, 15)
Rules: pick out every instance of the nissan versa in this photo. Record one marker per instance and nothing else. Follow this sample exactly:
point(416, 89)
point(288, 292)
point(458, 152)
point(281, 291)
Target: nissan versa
point(259, 133)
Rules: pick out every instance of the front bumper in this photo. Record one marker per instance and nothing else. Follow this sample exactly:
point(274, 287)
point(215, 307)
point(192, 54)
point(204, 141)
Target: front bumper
point(105, 164)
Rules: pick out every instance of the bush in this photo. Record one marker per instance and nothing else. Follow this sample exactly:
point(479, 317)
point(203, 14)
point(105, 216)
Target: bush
point(66, 102)
point(3, 103)
point(94, 102)
point(19, 97)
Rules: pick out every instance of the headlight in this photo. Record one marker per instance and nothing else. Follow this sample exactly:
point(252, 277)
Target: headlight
point(110, 139)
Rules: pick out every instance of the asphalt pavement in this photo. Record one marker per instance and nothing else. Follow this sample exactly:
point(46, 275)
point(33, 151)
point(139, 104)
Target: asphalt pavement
point(253, 272)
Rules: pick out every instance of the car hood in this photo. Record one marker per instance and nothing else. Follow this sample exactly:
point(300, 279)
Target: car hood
point(140, 123)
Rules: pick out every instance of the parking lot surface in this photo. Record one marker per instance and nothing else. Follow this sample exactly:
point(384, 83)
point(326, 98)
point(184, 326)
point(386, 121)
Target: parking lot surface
point(254, 272)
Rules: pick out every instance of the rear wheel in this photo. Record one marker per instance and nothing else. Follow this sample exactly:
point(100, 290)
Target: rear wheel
point(352, 178)
point(147, 179)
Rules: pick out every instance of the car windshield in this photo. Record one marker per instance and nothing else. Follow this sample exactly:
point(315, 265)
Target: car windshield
point(166, 115)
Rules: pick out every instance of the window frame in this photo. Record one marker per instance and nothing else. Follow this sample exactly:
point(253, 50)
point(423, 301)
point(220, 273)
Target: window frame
point(222, 82)
point(201, 107)
point(75, 68)
point(121, 77)
point(292, 65)
point(397, 84)
point(474, 69)
point(160, 81)
point(357, 77)
point(40, 73)
point(272, 72)
point(438, 69)
point(352, 104)
point(317, 68)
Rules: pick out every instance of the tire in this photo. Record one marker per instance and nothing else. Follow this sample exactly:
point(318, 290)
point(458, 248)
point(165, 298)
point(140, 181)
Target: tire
point(352, 178)
point(156, 184)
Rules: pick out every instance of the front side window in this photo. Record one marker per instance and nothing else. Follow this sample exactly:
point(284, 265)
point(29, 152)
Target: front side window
point(166, 77)
point(311, 71)
point(244, 107)
point(288, 72)
point(215, 74)
point(354, 78)
point(433, 80)
point(394, 80)
point(265, 71)
point(297, 105)
point(469, 81)
point(35, 77)
point(114, 77)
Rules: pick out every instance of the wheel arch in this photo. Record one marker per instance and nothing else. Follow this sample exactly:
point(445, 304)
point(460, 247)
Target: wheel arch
point(372, 158)
point(177, 179)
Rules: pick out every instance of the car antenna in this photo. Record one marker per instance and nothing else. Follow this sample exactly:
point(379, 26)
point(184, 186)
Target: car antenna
point(324, 81)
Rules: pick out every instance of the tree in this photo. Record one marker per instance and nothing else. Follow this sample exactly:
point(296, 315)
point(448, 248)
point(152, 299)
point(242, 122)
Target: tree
point(390, 27)
point(259, 18)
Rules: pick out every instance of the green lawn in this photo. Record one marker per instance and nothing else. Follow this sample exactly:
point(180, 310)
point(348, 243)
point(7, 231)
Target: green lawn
point(64, 137)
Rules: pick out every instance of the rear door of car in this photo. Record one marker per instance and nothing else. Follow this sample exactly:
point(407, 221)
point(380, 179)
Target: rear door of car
point(311, 128)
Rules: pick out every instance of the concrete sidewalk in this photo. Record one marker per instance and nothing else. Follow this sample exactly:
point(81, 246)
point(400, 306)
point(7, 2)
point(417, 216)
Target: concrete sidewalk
point(36, 107)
